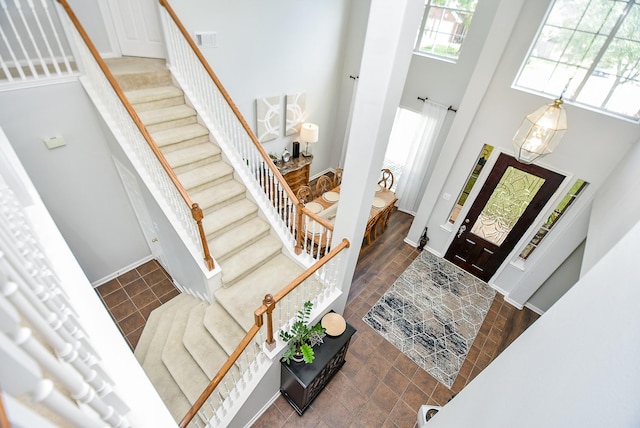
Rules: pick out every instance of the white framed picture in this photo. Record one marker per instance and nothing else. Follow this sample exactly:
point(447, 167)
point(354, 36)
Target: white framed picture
point(268, 113)
point(295, 112)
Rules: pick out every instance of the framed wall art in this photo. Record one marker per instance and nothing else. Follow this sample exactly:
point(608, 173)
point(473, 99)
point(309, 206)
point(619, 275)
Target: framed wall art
point(268, 113)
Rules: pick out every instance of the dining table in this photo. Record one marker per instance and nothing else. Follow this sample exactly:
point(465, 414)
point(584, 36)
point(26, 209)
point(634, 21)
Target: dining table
point(326, 204)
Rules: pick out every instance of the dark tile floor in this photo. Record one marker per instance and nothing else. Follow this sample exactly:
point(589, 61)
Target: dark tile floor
point(379, 386)
point(132, 296)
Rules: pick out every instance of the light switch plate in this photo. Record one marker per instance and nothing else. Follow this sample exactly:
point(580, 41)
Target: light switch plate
point(53, 142)
point(207, 39)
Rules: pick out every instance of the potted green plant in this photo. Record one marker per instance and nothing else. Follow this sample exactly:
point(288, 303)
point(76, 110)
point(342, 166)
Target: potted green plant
point(301, 338)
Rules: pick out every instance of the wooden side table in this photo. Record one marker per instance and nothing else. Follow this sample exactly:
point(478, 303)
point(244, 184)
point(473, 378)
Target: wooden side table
point(296, 172)
point(300, 383)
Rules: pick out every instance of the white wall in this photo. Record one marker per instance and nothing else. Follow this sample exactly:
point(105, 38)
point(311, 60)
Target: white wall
point(78, 182)
point(576, 366)
point(357, 27)
point(616, 208)
point(90, 14)
point(559, 282)
point(277, 48)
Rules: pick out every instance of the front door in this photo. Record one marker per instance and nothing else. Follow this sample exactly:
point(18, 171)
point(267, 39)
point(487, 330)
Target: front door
point(509, 201)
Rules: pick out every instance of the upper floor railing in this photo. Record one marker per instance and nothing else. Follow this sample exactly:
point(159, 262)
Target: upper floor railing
point(45, 352)
point(34, 47)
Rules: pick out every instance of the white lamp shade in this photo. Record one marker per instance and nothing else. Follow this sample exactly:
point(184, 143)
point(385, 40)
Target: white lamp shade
point(540, 132)
point(309, 132)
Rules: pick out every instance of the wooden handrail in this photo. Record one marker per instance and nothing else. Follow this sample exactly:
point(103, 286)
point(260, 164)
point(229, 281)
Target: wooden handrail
point(253, 331)
point(301, 212)
point(232, 105)
point(303, 276)
point(268, 305)
point(4, 419)
point(136, 119)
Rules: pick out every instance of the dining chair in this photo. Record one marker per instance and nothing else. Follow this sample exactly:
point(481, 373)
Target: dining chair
point(384, 218)
point(387, 179)
point(337, 177)
point(323, 185)
point(304, 194)
point(371, 229)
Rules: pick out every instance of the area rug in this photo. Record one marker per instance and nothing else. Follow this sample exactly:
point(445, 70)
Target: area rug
point(432, 314)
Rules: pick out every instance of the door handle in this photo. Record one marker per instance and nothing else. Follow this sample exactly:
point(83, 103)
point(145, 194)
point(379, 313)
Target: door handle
point(463, 227)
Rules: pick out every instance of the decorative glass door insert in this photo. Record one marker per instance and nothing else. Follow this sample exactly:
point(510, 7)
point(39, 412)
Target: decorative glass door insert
point(511, 197)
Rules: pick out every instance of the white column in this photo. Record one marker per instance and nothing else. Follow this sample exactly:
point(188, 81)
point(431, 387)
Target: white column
point(391, 32)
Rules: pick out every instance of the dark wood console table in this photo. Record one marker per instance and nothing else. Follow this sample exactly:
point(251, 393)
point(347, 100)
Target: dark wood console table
point(296, 172)
point(300, 383)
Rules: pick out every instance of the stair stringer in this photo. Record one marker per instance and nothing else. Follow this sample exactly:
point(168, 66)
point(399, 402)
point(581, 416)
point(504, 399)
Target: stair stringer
point(242, 173)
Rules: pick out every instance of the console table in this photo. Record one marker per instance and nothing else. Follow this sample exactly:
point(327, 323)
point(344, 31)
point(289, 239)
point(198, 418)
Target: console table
point(296, 172)
point(300, 383)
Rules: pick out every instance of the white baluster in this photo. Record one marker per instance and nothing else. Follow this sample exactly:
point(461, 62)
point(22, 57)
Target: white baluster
point(21, 375)
point(63, 372)
point(63, 348)
point(45, 6)
point(34, 45)
point(16, 62)
point(44, 37)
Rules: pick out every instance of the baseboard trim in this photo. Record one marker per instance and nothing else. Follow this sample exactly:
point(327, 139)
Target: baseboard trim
point(119, 272)
point(534, 308)
point(264, 409)
point(316, 176)
point(513, 303)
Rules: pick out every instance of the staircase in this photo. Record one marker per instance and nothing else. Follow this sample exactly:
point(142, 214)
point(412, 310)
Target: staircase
point(186, 341)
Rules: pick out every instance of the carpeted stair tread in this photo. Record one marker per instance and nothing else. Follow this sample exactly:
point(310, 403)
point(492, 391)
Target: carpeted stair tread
point(215, 196)
point(223, 327)
point(181, 137)
point(169, 391)
point(228, 243)
point(146, 95)
point(198, 155)
point(249, 258)
point(166, 114)
point(197, 179)
point(155, 98)
point(228, 216)
point(167, 388)
point(183, 368)
point(134, 73)
point(204, 349)
point(246, 295)
point(150, 328)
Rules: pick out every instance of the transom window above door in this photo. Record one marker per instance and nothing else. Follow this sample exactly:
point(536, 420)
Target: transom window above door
point(443, 27)
point(591, 48)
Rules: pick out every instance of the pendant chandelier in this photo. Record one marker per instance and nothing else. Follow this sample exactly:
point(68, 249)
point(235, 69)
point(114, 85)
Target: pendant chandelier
point(540, 132)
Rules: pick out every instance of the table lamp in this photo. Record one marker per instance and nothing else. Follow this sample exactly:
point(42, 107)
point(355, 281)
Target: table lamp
point(308, 134)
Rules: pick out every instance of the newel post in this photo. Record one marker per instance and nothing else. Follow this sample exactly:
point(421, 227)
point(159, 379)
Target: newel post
point(271, 305)
point(196, 213)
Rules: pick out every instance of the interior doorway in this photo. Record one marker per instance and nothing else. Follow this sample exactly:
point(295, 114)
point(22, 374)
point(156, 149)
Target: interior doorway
point(147, 225)
point(510, 199)
point(137, 27)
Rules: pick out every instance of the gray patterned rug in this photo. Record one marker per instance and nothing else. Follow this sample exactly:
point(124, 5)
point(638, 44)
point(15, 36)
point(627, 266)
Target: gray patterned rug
point(432, 314)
